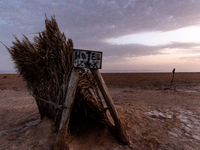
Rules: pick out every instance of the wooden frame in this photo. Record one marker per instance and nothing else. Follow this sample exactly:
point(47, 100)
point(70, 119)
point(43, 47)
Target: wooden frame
point(66, 112)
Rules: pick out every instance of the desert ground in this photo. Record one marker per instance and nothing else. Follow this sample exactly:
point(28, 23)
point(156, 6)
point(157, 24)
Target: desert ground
point(156, 114)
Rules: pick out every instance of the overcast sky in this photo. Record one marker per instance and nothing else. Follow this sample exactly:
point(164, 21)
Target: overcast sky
point(134, 35)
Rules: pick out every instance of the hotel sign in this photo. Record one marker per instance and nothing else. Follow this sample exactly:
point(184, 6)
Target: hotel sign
point(87, 59)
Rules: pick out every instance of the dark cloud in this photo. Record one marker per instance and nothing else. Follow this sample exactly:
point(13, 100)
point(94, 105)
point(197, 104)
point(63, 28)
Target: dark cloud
point(89, 22)
point(116, 18)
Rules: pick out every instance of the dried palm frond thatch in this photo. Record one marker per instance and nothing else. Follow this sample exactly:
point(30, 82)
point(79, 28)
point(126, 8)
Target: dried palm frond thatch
point(88, 100)
point(45, 65)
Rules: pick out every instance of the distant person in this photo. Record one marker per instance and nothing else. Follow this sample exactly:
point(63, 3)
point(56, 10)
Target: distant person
point(173, 71)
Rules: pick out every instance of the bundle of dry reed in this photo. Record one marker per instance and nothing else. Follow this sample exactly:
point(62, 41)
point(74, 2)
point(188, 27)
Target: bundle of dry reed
point(88, 102)
point(45, 65)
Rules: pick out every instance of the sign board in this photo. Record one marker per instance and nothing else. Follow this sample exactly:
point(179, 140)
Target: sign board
point(87, 59)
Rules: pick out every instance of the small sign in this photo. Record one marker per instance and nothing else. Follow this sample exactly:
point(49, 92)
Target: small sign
point(87, 59)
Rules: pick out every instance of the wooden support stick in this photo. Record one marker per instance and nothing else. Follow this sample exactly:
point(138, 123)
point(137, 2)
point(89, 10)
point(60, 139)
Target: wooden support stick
point(104, 90)
point(69, 100)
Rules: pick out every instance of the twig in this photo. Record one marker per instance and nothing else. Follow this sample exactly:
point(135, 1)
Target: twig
point(51, 103)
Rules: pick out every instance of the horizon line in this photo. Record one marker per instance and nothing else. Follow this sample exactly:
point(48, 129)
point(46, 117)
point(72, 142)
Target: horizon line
point(116, 71)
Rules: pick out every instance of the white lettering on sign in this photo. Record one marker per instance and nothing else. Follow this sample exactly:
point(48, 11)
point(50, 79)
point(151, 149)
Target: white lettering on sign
point(87, 59)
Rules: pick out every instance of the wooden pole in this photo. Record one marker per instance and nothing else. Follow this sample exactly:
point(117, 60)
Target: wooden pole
point(172, 79)
point(108, 99)
point(69, 100)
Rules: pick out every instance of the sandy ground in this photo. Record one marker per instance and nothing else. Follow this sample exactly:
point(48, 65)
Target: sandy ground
point(156, 115)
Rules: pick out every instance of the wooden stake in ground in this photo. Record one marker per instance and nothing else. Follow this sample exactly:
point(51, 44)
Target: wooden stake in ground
point(108, 99)
point(71, 91)
point(173, 71)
